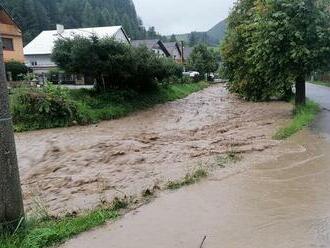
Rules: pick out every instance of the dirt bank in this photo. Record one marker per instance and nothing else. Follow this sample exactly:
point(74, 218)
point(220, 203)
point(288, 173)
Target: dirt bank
point(74, 168)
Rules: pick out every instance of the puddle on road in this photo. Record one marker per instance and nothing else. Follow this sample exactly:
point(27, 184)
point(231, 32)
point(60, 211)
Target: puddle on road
point(74, 168)
point(281, 199)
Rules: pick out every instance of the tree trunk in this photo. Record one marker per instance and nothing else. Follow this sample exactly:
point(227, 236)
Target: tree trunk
point(300, 91)
point(11, 203)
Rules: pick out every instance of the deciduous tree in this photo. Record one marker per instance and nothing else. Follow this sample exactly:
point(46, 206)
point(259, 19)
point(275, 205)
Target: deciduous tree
point(203, 60)
point(273, 45)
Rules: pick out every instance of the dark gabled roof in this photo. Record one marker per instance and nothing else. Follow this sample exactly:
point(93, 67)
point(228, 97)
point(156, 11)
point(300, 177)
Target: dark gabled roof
point(151, 44)
point(10, 16)
point(171, 46)
point(187, 52)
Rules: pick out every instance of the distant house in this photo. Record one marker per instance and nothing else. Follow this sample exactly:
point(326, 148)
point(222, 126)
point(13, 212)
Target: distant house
point(38, 52)
point(155, 45)
point(11, 36)
point(175, 51)
point(186, 53)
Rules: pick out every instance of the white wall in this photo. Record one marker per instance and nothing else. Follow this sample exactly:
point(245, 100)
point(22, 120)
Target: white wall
point(44, 63)
point(121, 37)
point(41, 60)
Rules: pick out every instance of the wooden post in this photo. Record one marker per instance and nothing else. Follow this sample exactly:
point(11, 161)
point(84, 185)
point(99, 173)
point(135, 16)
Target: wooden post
point(182, 52)
point(11, 202)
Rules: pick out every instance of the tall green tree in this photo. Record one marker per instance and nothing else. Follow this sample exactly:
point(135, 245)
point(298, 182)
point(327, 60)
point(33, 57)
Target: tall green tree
point(89, 15)
point(273, 45)
point(173, 38)
point(193, 39)
point(203, 60)
point(113, 64)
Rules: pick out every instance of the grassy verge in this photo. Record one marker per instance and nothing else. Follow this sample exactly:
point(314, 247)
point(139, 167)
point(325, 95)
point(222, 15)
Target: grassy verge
point(229, 157)
point(49, 232)
point(190, 178)
point(83, 106)
point(322, 83)
point(112, 105)
point(303, 117)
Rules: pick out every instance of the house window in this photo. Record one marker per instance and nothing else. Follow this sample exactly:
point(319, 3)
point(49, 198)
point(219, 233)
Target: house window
point(8, 44)
point(34, 63)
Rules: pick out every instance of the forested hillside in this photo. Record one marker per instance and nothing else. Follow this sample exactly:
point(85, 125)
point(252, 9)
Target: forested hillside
point(35, 16)
point(218, 32)
point(212, 37)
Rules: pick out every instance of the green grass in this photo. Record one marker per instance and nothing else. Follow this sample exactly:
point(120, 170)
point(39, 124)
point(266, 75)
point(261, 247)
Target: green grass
point(50, 232)
point(112, 105)
point(303, 116)
point(190, 178)
point(93, 107)
point(229, 157)
point(322, 83)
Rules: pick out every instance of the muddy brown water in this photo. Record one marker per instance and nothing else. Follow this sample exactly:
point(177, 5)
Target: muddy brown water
point(280, 199)
point(74, 169)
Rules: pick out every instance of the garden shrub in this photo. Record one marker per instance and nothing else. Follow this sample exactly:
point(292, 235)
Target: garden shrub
point(113, 65)
point(17, 69)
point(45, 107)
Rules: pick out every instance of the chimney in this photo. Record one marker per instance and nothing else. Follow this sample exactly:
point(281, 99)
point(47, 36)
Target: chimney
point(59, 29)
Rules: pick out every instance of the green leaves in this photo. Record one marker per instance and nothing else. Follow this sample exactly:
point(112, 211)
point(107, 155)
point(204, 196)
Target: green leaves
point(270, 43)
point(113, 64)
point(203, 60)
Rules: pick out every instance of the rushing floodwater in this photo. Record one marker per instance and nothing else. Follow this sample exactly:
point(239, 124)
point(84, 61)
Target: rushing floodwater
point(71, 169)
point(282, 202)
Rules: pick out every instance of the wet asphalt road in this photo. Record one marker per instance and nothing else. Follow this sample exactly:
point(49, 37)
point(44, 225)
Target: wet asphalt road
point(321, 95)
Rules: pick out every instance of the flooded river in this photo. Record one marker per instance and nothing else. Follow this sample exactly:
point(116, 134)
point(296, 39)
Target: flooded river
point(280, 199)
point(73, 169)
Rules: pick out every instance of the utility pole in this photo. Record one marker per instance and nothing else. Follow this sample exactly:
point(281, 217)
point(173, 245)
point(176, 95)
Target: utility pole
point(182, 53)
point(11, 201)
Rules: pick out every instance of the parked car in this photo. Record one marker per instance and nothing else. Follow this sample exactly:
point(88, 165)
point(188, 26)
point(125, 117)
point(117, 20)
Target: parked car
point(191, 74)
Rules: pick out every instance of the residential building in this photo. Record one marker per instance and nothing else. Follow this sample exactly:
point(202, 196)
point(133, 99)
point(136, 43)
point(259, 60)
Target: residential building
point(186, 53)
point(38, 52)
point(157, 46)
point(11, 36)
point(175, 51)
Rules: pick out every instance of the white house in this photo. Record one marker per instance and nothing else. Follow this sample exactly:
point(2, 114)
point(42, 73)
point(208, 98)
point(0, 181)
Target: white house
point(175, 50)
point(38, 52)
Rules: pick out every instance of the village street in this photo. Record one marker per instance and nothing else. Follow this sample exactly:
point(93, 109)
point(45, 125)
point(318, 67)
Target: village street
point(281, 200)
point(321, 95)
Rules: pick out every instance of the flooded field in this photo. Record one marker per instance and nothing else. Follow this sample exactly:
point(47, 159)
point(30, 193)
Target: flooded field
point(281, 199)
point(73, 169)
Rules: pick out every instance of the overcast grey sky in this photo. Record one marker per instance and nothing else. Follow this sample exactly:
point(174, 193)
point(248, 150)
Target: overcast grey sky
point(182, 16)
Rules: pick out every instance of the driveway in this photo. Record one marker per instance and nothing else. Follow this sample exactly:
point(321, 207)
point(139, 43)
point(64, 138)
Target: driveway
point(321, 95)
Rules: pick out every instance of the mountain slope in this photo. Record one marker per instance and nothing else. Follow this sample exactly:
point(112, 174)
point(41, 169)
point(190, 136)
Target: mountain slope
point(211, 37)
point(35, 16)
point(218, 32)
